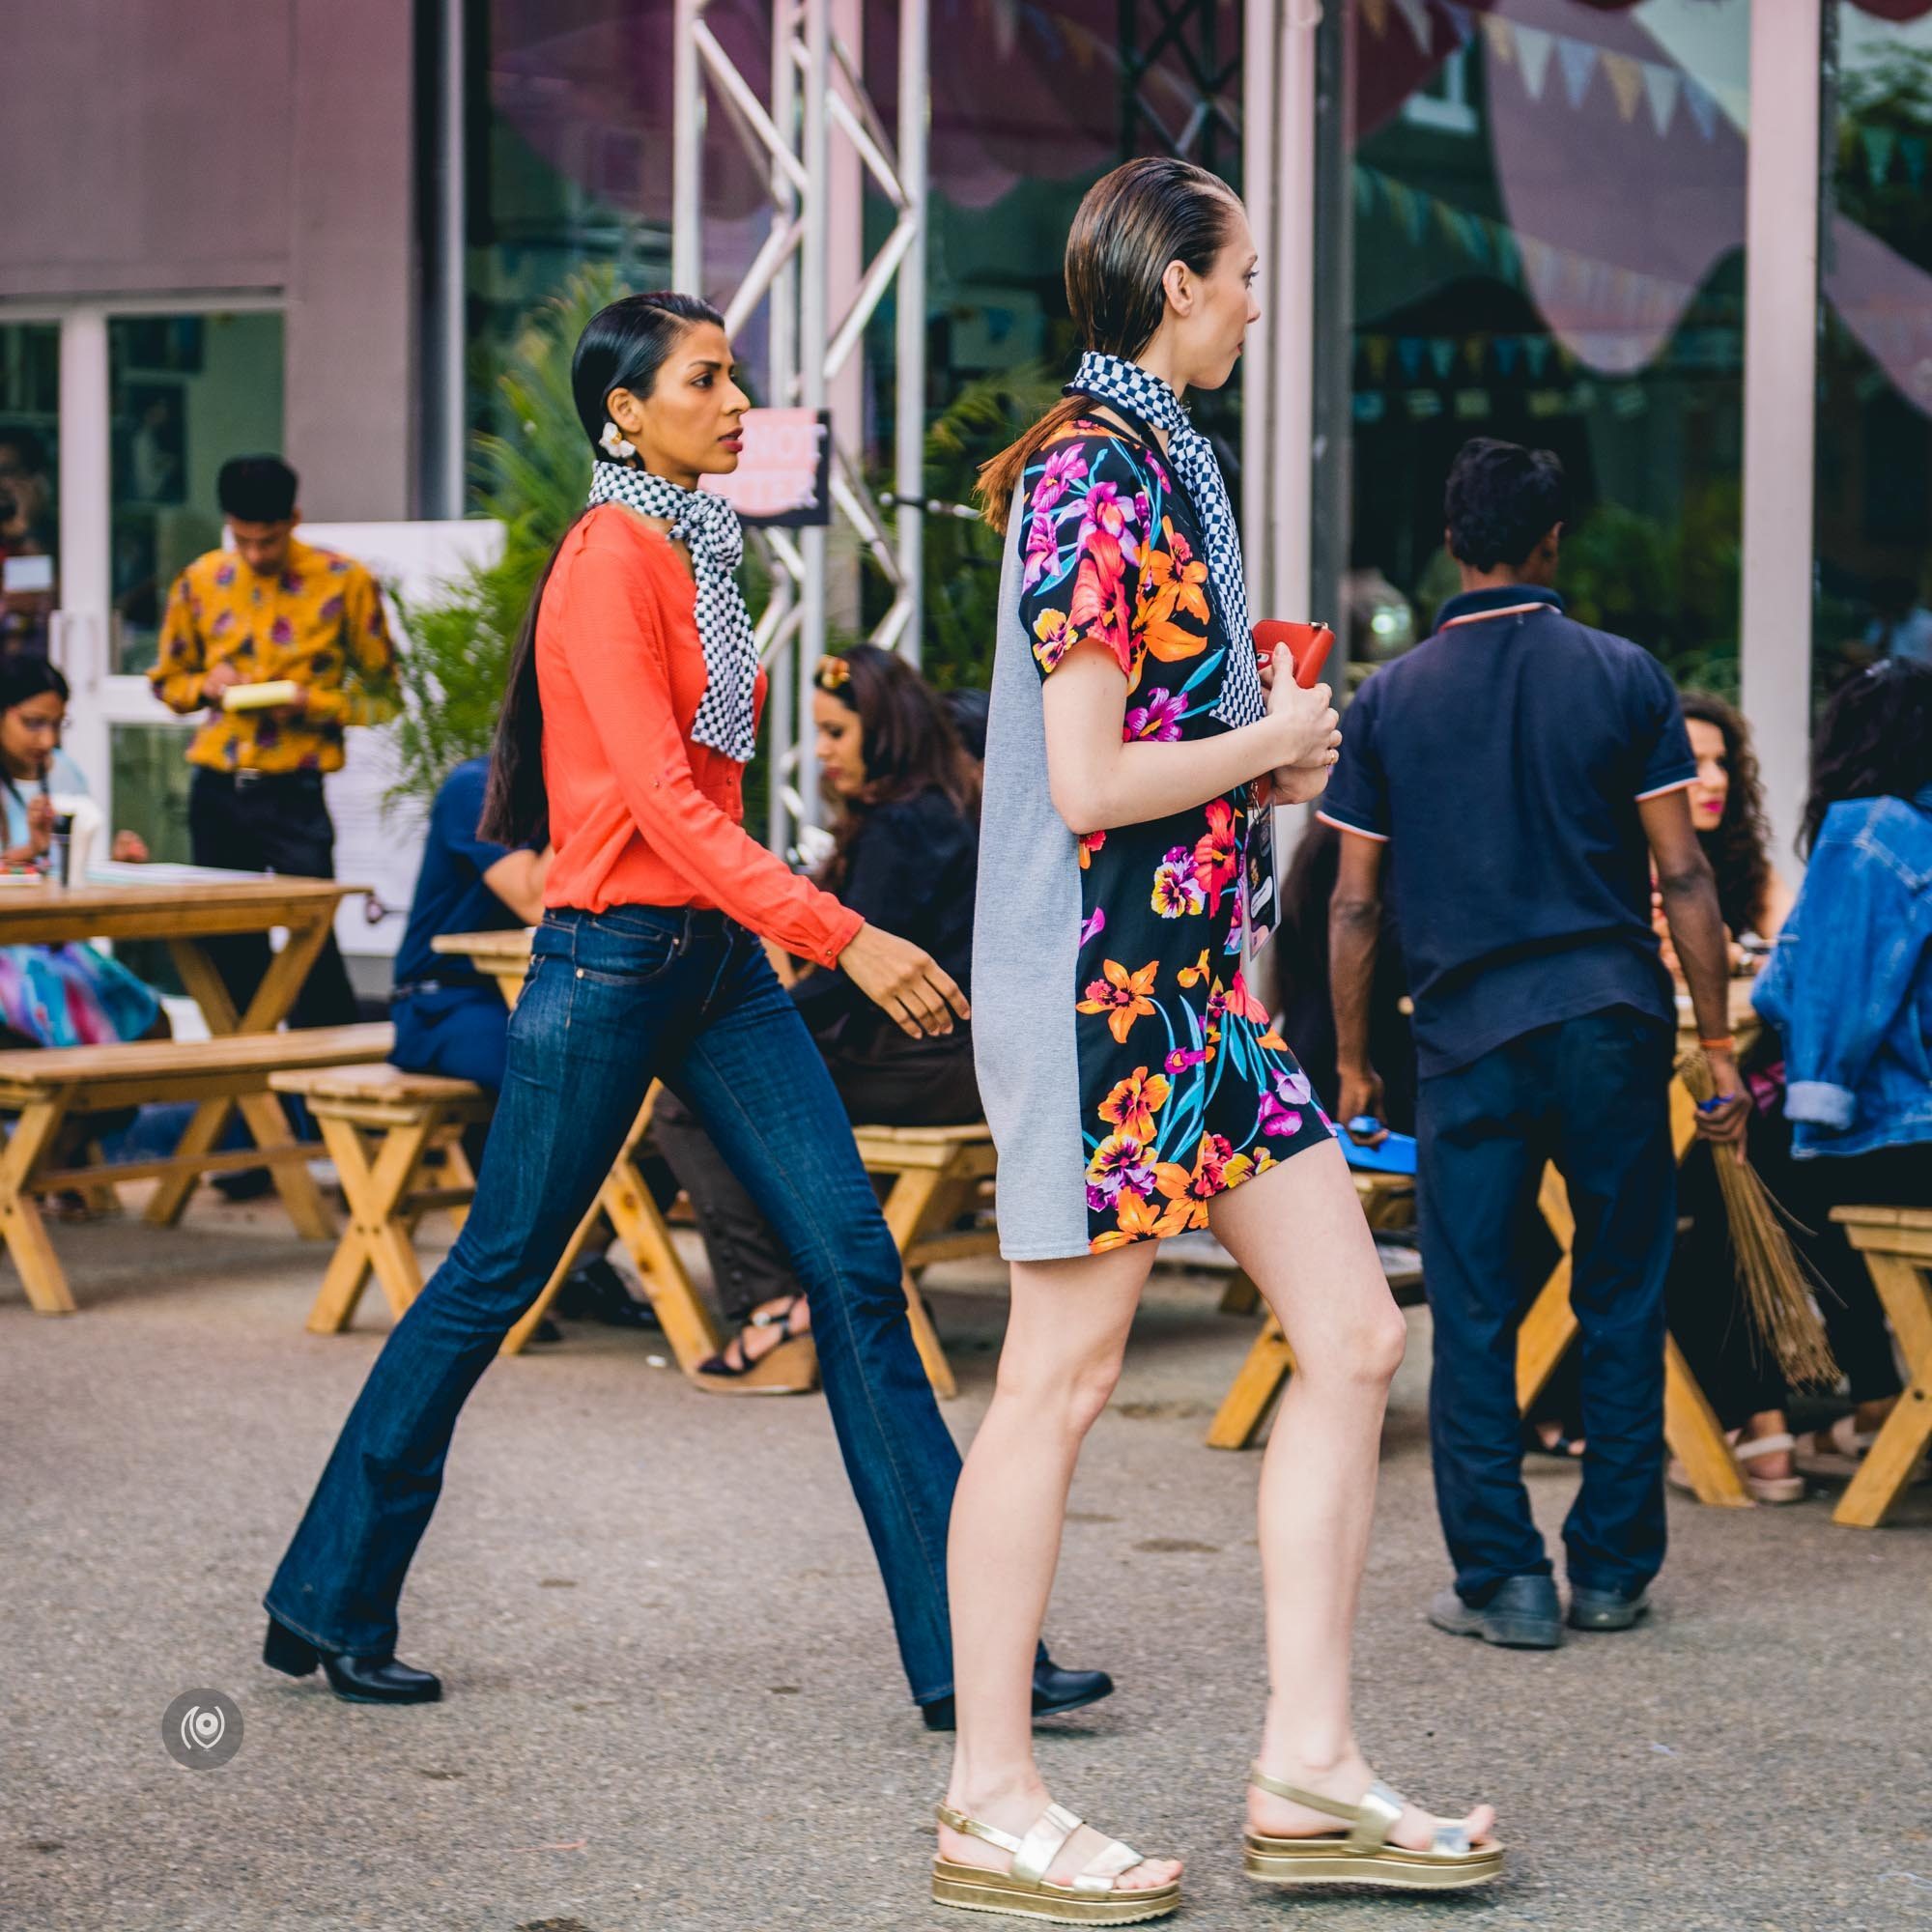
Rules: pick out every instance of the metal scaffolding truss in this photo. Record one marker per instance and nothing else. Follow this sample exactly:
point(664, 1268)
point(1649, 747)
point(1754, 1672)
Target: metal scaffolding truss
point(817, 95)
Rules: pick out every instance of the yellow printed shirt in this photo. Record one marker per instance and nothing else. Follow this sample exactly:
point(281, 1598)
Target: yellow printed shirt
point(320, 622)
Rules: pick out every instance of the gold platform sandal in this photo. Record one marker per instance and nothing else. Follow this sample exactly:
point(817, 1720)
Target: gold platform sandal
point(1088, 1898)
point(1363, 1854)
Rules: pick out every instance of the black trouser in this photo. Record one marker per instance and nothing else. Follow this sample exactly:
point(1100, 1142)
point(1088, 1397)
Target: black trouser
point(270, 822)
point(923, 1085)
point(1590, 1095)
point(1727, 1354)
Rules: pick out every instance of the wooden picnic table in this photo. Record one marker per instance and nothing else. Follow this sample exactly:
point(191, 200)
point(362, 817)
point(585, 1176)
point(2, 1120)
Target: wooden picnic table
point(688, 1325)
point(185, 913)
point(1690, 1424)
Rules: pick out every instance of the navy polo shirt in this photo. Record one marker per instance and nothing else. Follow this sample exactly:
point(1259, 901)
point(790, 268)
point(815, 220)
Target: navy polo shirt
point(1502, 760)
point(450, 894)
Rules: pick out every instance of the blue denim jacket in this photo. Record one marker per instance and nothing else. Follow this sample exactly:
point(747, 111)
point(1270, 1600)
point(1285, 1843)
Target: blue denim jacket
point(1849, 987)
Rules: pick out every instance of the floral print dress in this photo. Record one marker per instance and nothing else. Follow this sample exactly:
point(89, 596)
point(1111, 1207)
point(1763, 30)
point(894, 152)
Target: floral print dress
point(1184, 1088)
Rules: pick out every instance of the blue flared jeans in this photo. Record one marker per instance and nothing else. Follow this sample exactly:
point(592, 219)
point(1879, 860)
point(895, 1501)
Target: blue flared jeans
point(612, 1001)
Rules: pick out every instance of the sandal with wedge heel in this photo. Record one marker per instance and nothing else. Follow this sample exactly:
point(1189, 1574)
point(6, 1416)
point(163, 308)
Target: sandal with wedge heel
point(788, 1367)
point(1091, 1897)
point(1362, 1855)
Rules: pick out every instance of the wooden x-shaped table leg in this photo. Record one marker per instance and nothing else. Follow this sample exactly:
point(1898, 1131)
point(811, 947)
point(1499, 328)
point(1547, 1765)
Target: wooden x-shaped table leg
point(687, 1323)
point(262, 1112)
point(381, 1227)
point(26, 1234)
point(1904, 1284)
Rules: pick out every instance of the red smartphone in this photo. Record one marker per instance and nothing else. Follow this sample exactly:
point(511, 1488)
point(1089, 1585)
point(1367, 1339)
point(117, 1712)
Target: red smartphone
point(1308, 646)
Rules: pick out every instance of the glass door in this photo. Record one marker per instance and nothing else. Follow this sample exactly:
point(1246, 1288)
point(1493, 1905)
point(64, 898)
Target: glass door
point(151, 406)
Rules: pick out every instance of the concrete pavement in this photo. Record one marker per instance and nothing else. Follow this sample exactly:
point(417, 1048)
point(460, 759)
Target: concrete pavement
point(673, 1699)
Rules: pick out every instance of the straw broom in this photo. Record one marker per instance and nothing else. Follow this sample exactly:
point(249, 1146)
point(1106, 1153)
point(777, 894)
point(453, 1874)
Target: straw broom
point(1776, 1281)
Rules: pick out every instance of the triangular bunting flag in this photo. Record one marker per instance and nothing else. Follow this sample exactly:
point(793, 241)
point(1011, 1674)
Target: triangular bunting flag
point(1508, 349)
point(1533, 48)
point(1442, 354)
point(1416, 13)
point(1408, 353)
point(1626, 82)
point(1536, 352)
point(1913, 148)
point(1498, 31)
point(1377, 11)
point(1661, 83)
point(1509, 257)
point(1365, 190)
point(1473, 346)
point(1580, 63)
point(1703, 106)
point(1476, 237)
point(1879, 143)
point(1377, 348)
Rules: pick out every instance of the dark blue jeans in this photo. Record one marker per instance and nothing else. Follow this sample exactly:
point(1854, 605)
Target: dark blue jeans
point(1591, 1094)
point(611, 1000)
point(461, 1035)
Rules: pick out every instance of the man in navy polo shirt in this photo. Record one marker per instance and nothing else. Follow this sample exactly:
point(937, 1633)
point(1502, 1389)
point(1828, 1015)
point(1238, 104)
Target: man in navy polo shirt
point(1519, 774)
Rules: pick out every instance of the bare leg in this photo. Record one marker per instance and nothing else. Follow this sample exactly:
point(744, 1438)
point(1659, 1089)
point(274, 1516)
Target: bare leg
point(1064, 1337)
point(1298, 1232)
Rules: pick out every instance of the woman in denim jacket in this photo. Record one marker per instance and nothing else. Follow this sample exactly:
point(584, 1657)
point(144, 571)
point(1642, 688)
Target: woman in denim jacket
point(1849, 991)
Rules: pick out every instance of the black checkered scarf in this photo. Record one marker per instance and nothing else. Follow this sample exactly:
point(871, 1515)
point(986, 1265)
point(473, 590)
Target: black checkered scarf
point(708, 528)
point(1112, 379)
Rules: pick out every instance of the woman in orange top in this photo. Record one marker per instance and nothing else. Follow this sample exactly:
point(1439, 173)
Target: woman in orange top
point(631, 713)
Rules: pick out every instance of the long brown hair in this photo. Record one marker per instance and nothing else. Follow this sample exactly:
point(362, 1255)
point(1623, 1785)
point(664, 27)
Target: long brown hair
point(1132, 223)
point(907, 739)
point(1740, 847)
point(623, 347)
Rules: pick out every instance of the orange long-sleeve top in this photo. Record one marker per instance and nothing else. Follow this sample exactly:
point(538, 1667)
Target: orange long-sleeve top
point(638, 813)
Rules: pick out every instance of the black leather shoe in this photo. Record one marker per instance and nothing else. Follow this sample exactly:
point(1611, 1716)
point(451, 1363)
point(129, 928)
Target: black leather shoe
point(595, 1292)
point(357, 1680)
point(1054, 1690)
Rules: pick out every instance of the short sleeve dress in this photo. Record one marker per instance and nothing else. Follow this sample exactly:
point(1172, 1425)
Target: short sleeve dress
point(1128, 1072)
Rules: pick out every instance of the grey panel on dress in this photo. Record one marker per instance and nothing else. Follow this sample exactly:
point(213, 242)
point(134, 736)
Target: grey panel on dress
point(1026, 944)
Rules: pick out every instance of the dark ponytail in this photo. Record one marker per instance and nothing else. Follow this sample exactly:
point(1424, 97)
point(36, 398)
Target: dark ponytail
point(622, 347)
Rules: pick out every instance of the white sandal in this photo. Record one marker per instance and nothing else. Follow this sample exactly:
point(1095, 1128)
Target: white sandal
point(1844, 1458)
point(1091, 1897)
point(1763, 1489)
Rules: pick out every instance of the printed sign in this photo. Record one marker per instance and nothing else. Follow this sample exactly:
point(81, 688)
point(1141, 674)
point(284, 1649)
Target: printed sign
point(784, 473)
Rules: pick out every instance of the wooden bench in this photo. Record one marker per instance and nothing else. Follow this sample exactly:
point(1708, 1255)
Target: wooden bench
point(45, 1089)
point(937, 1177)
point(1896, 1244)
point(379, 1125)
point(1388, 1200)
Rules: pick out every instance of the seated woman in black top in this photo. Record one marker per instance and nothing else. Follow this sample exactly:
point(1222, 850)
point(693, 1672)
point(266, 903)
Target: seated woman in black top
point(904, 855)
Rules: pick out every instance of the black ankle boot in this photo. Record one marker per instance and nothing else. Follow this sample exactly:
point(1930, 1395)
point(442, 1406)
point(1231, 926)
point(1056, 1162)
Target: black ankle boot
point(357, 1680)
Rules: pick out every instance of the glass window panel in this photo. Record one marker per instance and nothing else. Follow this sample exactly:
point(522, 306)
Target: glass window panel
point(29, 482)
point(1531, 226)
point(1874, 422)
point(188, 391)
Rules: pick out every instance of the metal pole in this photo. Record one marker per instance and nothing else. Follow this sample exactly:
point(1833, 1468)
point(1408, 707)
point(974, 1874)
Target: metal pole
point(782, 336)
point(1259, 28)
point(914, 110)
point(687, 151)
point(1291, 490)
point(452, 274)
point(1780, 407)
point(815, 268)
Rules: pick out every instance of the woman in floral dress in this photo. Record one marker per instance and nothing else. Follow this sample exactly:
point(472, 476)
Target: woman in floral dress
point(1136, 1087)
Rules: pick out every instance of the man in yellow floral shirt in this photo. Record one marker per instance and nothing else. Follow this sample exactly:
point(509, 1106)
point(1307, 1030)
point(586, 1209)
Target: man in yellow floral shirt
point(273, 608)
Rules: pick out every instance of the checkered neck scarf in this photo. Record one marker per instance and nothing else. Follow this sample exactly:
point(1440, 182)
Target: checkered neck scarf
point(1111, 378)
point(708, 528)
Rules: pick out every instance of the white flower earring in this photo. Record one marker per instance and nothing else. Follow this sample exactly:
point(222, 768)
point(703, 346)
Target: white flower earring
point(613, 444)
